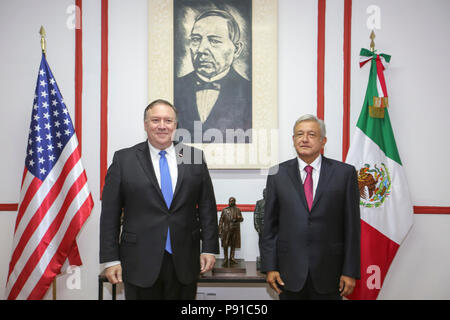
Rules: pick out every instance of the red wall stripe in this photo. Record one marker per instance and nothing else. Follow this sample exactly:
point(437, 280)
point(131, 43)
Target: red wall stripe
point(243, 207)
point(321, 59)
point(431, 210)
point(416, 209)
point(79, 72)
point(347, 77)
point(9, 206)
point(251, 208)
point(104, 97)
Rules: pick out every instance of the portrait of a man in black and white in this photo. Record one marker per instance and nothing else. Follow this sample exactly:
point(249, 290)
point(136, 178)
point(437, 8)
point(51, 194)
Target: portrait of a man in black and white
point(212, 66)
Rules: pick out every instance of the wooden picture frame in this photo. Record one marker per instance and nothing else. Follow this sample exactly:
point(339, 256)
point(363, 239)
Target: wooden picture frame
point(256, 148)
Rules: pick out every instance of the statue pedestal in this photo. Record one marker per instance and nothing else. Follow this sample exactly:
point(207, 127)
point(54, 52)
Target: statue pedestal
point(233, 268)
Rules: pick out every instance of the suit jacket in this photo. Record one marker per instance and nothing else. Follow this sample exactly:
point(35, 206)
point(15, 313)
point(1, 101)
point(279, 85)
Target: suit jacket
point(324, 242)
point(232, 110)
point(131, 184)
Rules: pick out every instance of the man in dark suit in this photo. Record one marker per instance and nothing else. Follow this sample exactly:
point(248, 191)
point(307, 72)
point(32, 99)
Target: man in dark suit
point(168, 204)
point(214, 95)
point(310, 247)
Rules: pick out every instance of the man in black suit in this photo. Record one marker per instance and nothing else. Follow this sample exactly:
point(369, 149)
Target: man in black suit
point(168, 204)
point(214, 96)
point(310, 247)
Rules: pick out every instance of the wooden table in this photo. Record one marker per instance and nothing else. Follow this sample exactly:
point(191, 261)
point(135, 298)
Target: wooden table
point(250, 276)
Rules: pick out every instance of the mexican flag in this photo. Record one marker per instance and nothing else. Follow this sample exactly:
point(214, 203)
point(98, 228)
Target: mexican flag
point(386, 207)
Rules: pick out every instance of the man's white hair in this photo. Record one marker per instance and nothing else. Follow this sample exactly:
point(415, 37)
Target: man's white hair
point(310, 117)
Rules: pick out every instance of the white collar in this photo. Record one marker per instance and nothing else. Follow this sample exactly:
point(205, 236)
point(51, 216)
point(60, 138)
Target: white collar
point(316, 164)
point(155, 151)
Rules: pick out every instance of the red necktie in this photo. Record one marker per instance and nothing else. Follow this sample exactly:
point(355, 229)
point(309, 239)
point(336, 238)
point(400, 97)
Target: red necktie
point(308, 186)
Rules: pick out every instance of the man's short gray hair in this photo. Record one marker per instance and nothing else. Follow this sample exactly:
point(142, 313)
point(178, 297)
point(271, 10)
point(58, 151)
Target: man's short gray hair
point(310, 117)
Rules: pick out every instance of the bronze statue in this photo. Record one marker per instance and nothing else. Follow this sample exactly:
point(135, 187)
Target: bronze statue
point(258, 221)
point(230, 230)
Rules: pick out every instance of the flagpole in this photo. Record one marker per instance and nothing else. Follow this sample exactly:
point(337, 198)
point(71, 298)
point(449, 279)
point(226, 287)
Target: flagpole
point(372, 43)
point(43, 41)
point(44, 51)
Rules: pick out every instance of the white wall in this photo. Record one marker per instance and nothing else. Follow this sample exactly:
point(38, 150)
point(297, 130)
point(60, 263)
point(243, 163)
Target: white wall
point(414, 32)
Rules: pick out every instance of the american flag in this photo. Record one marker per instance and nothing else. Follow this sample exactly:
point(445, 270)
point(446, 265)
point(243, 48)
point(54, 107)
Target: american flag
point(55, 199)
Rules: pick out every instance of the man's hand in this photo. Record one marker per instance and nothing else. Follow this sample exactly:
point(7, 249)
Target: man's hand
point(273, 278)
point(346, 285)
point(207, 262)
point(114, 274)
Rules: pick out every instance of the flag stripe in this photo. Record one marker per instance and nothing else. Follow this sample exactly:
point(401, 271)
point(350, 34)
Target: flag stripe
point(377, 254)
point(23, 177)
point(43, 209)
point(49, 235)
point(31, 186)
point(54, 266)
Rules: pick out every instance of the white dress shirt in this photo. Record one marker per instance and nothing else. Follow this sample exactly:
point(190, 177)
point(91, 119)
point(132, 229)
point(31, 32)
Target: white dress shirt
point(316, 164)
point(171, 161)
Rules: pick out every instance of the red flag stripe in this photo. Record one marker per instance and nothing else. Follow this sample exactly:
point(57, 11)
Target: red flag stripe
point(31, 185)
point(377, 253)
point(74, 255)
point(44, 207)
point(54, 266)
point(49, 236)
point(23, 176)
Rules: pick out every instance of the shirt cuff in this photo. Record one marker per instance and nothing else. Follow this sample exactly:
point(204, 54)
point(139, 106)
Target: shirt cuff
point(110, 264)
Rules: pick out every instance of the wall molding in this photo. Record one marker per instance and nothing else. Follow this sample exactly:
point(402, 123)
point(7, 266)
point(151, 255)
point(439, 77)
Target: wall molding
point(347, 77)
point(251, 208)
point(104, 97)
point(321, 18)
point(79, 75)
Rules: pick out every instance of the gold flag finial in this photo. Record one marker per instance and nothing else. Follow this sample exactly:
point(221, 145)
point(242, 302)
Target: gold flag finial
point(372, 43)
point(43, 41)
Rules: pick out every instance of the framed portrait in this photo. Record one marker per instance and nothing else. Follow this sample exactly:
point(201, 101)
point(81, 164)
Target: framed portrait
point(216, 60)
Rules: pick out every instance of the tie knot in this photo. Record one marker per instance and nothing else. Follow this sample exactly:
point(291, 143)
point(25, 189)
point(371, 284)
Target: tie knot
point(308, 169)
point(162, 153)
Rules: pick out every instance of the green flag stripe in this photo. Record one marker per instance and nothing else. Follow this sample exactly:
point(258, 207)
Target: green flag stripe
point(379, 130)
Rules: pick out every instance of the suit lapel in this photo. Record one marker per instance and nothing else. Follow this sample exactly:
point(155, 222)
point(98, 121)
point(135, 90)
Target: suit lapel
point(143, 155)
point(326, 171)
point(181, 168)
point(294, 175)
